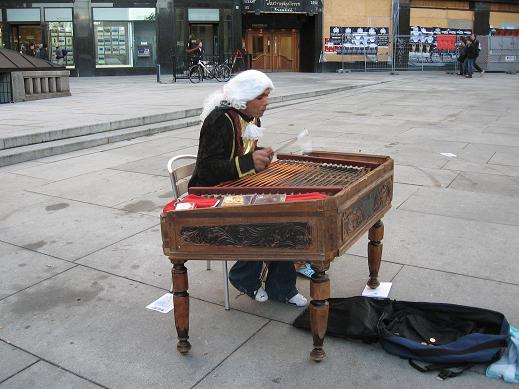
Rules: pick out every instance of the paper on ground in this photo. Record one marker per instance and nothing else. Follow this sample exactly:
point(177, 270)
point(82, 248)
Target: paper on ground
point(164, 304)
point(382, 290)
point(448, 154)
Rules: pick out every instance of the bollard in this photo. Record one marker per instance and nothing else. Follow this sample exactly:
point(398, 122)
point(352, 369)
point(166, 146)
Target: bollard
point(158, 73)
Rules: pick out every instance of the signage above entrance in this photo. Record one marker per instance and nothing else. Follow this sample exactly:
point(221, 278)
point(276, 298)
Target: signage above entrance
point(310, 7)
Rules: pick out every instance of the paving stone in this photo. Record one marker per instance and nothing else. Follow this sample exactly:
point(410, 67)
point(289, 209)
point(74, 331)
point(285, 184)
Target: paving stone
point(485, 168)
point(502, 158)
point(415, 175)
point(447, 244)
point(486, 183)
point(64, 228)
point(43, 375)
point(348, 364)
point(13, 360)
point(98, 187)
point(465, 205)
point(96, 325)
point(22, 268)
point(419, 284)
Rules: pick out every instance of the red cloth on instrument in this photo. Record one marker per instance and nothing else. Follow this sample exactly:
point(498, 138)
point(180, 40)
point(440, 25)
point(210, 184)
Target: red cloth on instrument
point(305, 196)
point(197, 201)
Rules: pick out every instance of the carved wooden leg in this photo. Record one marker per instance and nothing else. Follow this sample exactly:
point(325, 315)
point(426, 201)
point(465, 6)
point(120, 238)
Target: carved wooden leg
point(320, 292)
point(181, 305)
point(375, 235)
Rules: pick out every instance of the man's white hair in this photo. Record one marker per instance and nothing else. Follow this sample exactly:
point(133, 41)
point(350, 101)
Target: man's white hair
point(241, 89)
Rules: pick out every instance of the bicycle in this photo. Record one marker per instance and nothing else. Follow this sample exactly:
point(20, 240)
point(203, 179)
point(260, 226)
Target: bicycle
point(204, 69)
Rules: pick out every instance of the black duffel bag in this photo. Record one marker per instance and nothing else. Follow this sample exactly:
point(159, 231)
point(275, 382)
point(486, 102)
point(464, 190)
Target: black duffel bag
point(442, 335)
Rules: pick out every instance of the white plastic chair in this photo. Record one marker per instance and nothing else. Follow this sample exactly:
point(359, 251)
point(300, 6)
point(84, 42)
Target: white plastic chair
point(179, 177)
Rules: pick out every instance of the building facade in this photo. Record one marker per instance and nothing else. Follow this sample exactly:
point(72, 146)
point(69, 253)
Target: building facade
point(121, 37)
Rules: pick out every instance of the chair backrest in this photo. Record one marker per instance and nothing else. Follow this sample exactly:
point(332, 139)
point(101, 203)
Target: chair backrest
point(180, 175)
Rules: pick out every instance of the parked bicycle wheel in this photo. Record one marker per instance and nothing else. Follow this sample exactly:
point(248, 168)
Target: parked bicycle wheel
point(196, 74)
point(223, 72)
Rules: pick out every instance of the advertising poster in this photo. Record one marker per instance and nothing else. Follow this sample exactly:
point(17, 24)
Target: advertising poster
point(356, 40)
point(433, 46)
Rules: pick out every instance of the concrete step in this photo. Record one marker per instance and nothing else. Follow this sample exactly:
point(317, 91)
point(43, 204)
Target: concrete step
point(53, 142)
point(72, 132)
point(45, 149)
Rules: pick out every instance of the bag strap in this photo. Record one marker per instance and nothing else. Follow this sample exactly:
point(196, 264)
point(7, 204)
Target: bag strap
point(445, 370)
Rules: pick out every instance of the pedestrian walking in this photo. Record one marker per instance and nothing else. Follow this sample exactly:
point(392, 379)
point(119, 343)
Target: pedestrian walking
point(477, 48)
point(469, 60)
point(462, 55)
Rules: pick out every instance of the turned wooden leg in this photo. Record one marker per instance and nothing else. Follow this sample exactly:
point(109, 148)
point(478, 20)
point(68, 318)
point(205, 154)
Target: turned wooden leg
point(375, 235)
point(320, 292)
point(181, 305)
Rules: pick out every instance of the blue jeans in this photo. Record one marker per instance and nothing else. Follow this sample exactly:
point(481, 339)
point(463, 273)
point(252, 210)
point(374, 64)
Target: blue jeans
point(280, 284)
point(469, 66)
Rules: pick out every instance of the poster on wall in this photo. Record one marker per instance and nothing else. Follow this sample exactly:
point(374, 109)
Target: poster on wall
point(434, 45)
point(356, 40)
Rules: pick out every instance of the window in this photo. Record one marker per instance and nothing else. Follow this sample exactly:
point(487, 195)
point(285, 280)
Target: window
point(23, 15)
point(60, 32)
point(227, 31)
point(180, 17)
point(203, 15)
point(112, 43)
point(125, 37)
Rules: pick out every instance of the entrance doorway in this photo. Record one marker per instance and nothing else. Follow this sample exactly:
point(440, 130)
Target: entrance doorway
point(25, 34)
point(207, 34)
point(274, 50)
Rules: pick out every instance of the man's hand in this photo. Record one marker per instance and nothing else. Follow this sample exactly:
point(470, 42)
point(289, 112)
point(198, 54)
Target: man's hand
point(262, 158)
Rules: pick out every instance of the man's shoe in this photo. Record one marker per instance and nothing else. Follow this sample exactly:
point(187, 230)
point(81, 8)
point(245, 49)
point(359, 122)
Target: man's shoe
point(298, 300)
point(482, 72)
point(261, 295)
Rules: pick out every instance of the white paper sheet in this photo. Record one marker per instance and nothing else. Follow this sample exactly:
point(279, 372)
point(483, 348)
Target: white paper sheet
point(381, 292)
point(164, 304)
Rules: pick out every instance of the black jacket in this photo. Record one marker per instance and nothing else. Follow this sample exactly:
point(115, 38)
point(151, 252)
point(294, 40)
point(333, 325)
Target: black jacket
point(220, 149)
point(471, 51)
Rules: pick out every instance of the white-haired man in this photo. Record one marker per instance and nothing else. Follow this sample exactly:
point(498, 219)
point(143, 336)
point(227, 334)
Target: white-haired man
point(227, 150)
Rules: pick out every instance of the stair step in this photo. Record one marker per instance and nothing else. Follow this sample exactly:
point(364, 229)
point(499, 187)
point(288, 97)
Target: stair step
point(53, 135)
point(46, 149)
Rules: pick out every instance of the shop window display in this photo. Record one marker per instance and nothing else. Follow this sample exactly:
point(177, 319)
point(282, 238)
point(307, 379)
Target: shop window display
point(124, 37)
point(112, 39)
point(62, 33)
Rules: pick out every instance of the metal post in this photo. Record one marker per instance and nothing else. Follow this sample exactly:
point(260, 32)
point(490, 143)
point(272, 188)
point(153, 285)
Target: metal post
point(226, 285)
point(342, 51)
point(395, 7)
point(158, 73)
point(365, 58)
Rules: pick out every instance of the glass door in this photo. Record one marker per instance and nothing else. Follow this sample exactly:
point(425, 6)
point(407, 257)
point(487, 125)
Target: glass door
point(285, 54)
point(274, 51)
point(260, 44)
point(207, 34)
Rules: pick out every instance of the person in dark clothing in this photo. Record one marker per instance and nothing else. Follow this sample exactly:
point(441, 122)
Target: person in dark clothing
point(477, 47)
point(470, 57)
point(195, 50)
point(228, 150)
point(462, 55)
point(43, 52)
point(30, 50)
